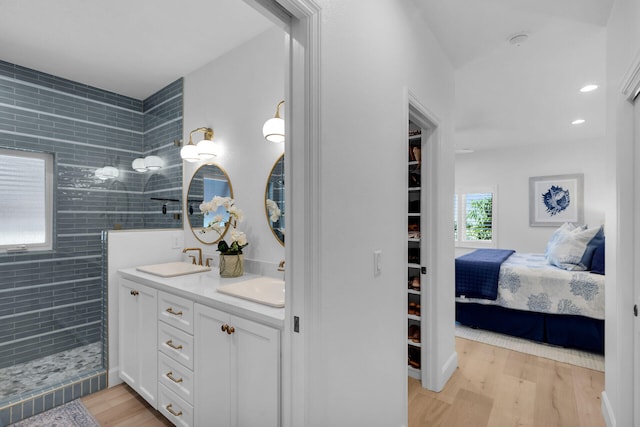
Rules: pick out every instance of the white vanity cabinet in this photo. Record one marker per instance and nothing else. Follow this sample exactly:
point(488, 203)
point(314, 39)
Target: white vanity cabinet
point(200, 357)
point(137, 330)
point(237, 362)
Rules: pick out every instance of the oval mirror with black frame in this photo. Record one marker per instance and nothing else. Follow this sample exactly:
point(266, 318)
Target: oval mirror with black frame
point(274, 200)
point(208, 181)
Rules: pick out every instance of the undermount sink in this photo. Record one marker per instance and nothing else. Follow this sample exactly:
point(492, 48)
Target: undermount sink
point(172, 269)
point(263, 290)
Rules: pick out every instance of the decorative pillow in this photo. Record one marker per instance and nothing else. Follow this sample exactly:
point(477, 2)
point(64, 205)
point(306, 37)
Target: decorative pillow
point(561, 231)
point(597, 264)
point(572, 249)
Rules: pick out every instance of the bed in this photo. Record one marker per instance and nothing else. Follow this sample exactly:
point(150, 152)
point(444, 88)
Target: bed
point(525, 296)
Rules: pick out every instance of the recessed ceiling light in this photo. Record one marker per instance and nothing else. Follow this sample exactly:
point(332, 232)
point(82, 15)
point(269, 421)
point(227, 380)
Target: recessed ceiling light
point(577, 122)
point(589, 88)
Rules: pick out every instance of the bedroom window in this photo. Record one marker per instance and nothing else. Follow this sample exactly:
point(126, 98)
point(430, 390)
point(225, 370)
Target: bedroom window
point(26, 191)
point(474, 217)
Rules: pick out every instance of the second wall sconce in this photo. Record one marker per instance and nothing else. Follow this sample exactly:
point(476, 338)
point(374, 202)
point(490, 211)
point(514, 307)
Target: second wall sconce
point(273, 129)
point(204, 150)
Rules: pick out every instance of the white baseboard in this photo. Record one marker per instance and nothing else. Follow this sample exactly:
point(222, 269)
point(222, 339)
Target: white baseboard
point(607, 411)
point(113, 377)
point(447, 370)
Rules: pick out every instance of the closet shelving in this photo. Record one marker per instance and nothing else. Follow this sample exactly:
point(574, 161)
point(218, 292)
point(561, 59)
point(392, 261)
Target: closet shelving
point(414, 238)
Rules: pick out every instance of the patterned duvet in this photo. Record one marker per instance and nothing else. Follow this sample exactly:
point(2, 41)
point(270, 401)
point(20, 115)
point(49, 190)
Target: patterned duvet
point(527, 282)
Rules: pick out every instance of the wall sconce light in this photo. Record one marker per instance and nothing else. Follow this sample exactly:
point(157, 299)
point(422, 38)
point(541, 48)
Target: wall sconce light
point(107, 172)
point(204, 150)
point(273, 129)
point(149, 163)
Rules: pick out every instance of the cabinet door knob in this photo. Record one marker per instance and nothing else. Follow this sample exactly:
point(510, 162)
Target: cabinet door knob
point(228, 329)
point(172, 378)
point(173, 346)
point(170, 409)
point(135, 293)
point(175, 313)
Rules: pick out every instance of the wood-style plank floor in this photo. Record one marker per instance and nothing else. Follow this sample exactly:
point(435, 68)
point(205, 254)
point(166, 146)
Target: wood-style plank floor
point(497, 387)
point(121, 406)
point(492, 387)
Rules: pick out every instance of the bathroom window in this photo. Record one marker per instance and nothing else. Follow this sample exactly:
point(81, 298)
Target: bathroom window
point(26, 200)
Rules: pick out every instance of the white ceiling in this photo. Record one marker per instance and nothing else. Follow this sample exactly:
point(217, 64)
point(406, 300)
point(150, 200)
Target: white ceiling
point(509, 95)
point(130, 47)
point(506, 95)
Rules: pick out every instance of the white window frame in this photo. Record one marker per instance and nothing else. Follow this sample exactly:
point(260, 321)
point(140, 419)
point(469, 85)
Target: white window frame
point(460, 217)
point(47, 203)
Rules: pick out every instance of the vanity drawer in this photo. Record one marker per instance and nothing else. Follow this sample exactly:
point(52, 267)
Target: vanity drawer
point(176, 344)
point(175, 377)
point(176, 311)
point(174, 408)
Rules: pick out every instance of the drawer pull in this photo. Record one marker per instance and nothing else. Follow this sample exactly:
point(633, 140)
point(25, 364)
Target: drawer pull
point(170, 409)
point(175, 313)
point(135, 293)
point(173, 346)
point(228, 329)
point(172, 378)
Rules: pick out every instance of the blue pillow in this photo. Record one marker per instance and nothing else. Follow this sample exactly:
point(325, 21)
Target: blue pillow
point(597, 264)
point(572, 249)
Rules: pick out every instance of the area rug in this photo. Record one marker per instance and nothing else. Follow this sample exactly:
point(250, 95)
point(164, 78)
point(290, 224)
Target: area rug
point(72, 414)
point(560, 354)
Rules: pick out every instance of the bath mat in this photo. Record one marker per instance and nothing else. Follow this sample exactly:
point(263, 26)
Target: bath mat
point(559, 354)
point(72, 414)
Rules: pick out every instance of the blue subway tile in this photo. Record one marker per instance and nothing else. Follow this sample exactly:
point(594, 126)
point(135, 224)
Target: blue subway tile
point(5, 417)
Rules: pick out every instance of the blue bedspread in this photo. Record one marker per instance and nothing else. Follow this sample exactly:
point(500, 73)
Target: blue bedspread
point(477, 273)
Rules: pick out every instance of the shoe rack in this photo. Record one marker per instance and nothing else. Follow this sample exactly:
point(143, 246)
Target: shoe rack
point(414, 317)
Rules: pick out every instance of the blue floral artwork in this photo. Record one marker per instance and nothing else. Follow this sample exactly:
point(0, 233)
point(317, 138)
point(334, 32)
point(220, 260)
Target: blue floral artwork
point(556, 200)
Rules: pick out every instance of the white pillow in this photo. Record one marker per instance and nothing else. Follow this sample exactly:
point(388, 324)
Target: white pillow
point(561, 231)
point(571, 248)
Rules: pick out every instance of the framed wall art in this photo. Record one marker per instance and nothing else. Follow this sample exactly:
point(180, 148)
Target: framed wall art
point(554, 200)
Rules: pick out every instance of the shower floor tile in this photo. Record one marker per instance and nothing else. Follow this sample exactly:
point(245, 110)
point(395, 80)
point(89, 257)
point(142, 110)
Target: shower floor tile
point(55, 370)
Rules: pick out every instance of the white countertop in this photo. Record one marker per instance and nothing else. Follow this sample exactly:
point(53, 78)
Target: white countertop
point(201, 288)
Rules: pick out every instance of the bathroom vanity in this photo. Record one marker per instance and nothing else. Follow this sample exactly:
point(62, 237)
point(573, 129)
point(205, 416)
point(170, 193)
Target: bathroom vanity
point(199, 356)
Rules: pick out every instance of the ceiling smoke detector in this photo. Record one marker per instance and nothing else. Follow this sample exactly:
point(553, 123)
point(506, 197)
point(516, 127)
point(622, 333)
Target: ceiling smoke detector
point(518, 39)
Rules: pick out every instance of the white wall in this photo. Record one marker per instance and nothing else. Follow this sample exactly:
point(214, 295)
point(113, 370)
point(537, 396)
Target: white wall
point(510, 169)
point(623, 44)
point(371, 53)
point(235, 95)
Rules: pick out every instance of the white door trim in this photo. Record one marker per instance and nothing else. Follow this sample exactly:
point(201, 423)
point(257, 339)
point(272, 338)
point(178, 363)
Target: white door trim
point(626, 247)
point(301, 20)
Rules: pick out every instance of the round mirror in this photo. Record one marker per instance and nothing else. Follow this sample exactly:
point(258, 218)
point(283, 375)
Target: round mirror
point(208, 181)
point(274, 199)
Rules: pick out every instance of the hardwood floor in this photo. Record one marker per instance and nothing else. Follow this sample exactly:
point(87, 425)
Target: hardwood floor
point(491, 387)
point(497, 387)
point(121, 406)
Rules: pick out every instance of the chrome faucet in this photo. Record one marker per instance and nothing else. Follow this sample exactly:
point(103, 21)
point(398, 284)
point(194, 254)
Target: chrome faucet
point(193, 257)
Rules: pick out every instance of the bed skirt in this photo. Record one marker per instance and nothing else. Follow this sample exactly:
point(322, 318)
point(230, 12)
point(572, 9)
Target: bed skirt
point(579, 332)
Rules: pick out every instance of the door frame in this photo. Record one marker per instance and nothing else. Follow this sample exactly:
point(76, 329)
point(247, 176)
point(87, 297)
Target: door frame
point(626, 256)
point(301, 21)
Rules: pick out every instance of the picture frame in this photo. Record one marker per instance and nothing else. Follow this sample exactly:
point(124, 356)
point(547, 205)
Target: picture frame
point(556, 199)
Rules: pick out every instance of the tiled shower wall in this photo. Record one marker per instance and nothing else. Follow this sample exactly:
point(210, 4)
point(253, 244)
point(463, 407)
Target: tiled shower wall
point(53, 301)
